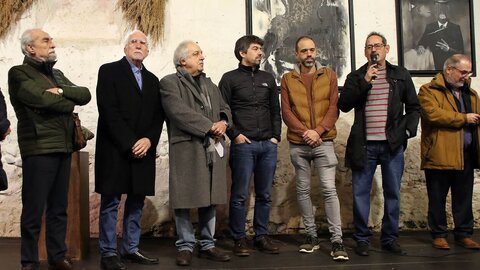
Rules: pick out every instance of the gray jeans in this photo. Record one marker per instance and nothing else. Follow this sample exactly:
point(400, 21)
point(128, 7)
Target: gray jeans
point(325, 161)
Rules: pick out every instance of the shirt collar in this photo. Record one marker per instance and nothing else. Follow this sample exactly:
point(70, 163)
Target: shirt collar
point(134, 68)
point(442, 25)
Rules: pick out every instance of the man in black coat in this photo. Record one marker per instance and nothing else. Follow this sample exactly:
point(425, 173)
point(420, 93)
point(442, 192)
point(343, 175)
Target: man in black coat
point(386, 109)
point(252, 96)
point(129, 125)
point(442, 37)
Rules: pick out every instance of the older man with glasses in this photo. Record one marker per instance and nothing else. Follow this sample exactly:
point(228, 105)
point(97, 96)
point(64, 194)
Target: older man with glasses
point(449, 149)
point(386, 116)
point(130, 120)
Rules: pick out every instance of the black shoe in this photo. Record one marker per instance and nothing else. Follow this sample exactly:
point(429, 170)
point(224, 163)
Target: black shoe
point(392, 247)
point(240, 248)
point(184, 257)
point(338, 252)
point(214, 254)
point(112, 263)
point(310, 244)
point(139, 257)
point(362, 248)
point(264, 244)
point(65, 264)
point(30, 267)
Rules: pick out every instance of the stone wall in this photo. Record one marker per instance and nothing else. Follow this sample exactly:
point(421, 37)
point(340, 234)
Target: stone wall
point(91, 36)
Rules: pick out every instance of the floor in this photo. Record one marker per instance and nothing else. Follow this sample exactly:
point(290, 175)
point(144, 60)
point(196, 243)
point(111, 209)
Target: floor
point(418, 255)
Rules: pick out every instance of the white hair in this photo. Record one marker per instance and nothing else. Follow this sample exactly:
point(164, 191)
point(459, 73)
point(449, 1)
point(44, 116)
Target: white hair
point(126, 39)
point(27, 39)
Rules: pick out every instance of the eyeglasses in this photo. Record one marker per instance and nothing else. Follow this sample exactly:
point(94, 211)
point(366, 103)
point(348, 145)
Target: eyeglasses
point(464, 73)
point(135, 41)
point(376, 46)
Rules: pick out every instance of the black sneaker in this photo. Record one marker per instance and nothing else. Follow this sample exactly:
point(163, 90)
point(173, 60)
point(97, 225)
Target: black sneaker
point(392, 247)
point(310, 245)
point(265, 245)
point(338, 252)
point(362, 248)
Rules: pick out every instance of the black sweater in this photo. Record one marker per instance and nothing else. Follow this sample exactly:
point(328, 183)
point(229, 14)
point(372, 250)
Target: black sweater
point(252, 95)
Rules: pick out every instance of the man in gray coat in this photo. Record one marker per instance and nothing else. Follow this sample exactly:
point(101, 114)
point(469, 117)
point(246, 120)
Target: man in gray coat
point(197, 118)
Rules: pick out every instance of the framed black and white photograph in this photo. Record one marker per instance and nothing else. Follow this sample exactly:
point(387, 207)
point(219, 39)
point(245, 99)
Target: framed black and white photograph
point(430, 31)
point(281, 22)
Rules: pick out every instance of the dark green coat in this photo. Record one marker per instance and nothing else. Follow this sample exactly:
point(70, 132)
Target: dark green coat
point(45, 122)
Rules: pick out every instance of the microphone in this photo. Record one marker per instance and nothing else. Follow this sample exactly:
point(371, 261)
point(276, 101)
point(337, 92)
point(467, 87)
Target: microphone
point(374, 61)
point(374, 58)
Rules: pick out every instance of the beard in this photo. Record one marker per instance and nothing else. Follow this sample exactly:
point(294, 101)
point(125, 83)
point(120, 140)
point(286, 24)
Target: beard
point(458, 84)
point(442, 18)
point(309, 62)
point(52, 57)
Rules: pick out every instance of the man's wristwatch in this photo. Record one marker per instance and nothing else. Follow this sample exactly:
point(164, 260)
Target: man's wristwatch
point(226, 123)
point(60, 91)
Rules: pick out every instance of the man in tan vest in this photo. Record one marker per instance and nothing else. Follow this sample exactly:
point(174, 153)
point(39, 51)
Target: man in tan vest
point(309, 109)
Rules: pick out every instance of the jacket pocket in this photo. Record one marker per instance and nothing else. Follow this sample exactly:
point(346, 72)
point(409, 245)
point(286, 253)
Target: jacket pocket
point(430, 141)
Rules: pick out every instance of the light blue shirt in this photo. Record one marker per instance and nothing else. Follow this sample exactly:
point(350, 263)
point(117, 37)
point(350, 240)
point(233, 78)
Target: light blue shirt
point(137, 72)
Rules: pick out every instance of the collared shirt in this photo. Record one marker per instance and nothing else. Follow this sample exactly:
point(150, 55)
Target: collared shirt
point(442, 25)
point(467, 130)
point(137, 72)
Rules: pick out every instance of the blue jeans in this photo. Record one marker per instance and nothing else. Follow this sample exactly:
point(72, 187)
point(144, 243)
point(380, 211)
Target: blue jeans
point(260, 159)
point(392, 164)
point(186, 234)
point(325, 162)
point(131, 224)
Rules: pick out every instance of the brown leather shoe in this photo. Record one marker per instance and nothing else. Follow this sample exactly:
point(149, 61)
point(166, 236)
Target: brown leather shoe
point(214, 254)
point(184, 258)
point(440, 243)
point(265, 245)
point(240, 248)
point(64, 264)
point(468, 242)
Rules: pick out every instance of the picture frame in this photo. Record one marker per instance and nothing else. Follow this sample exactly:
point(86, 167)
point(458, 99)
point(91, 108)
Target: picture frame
point(424, 44)
point(281, 23)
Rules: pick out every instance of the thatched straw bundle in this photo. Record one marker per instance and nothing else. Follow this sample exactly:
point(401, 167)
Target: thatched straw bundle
point(147, 16)
point(10, 12)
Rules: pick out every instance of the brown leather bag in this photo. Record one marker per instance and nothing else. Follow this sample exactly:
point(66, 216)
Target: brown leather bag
point(79, 140)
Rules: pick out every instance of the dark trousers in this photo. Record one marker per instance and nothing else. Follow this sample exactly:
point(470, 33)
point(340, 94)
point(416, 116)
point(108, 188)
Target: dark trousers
point(460, 184)
point(45, 183)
